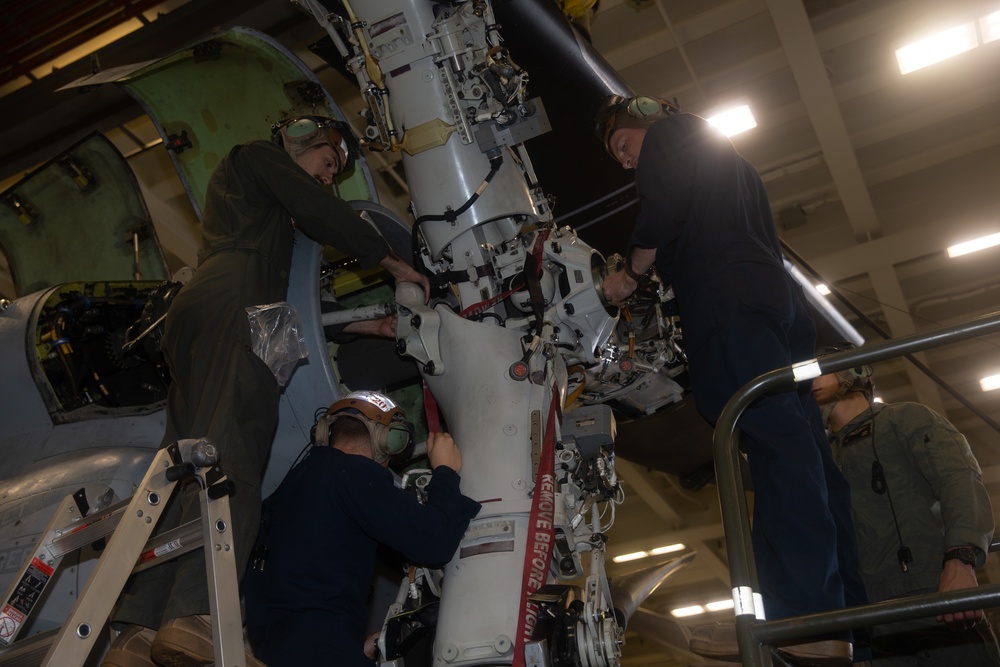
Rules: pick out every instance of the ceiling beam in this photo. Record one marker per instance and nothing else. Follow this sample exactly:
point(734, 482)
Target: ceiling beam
point(897, 315)
point(797, 38)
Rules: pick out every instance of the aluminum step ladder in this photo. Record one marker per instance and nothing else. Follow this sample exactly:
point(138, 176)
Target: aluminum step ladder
point(130, 524)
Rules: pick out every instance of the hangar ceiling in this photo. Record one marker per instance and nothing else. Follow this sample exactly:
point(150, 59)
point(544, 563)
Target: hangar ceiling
point(871, 175)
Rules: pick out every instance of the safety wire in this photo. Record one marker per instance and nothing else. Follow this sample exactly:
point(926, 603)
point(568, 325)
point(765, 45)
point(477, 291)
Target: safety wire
point(609, 506)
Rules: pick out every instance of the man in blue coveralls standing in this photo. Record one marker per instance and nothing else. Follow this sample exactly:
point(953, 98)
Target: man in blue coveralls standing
point(705, 225)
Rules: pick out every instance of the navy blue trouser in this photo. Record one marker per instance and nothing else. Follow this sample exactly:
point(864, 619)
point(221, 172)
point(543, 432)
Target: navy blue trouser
point(746, 319)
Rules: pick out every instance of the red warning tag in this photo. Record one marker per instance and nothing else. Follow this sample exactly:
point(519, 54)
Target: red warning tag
point(10, 620)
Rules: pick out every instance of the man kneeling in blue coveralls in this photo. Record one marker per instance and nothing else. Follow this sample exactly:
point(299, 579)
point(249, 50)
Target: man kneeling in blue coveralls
point(340, 503)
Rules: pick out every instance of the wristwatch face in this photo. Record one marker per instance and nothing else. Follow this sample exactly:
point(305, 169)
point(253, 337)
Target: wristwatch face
point(968, 555)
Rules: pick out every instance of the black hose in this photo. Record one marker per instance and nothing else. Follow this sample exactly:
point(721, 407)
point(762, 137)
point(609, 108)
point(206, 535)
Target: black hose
point(451, 215)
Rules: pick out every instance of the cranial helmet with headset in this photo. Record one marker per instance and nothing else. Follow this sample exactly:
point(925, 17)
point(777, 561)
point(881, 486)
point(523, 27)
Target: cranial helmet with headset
point(386, 422)
point(858, 378)
point(617, 112)
point(302, 133)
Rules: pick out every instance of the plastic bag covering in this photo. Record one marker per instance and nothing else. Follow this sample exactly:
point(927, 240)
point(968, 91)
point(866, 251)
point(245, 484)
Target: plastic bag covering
point(276, 338)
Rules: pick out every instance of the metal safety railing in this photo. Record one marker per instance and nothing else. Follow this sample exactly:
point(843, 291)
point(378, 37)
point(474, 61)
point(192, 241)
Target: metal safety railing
point(756, 636)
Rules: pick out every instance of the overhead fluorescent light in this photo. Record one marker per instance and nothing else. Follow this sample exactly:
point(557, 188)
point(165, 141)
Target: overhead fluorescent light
point(937, 47)
point(694, 610)
point(669, 549)
point(989, 26)
point(974, 245)
point(720, 605)
point(990, 383)
point(823, 289)
point(733, 121)
point(635, 555)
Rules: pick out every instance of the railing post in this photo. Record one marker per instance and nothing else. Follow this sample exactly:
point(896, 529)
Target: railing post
point(732, 495)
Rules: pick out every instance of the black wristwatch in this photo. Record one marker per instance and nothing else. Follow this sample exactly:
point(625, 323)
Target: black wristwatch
point(638, 277)
point(969, 555)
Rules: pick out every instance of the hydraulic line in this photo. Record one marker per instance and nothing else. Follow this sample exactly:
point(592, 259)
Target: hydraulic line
point(451, 216)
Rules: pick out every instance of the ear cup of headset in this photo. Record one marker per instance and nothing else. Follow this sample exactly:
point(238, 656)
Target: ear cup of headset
point(645, 107)
point(299, 133)
point(399, 437)
point(860, 372)
point(295, 129)
point(391, 440)
point(321, 430)
point(649, 108)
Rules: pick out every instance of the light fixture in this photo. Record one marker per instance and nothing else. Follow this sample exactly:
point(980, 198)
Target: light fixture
point(974, 245)
point(823, 289)
point(669, 549)
point(990, 383)
point(720, 605)
point(936, 48)
point(989, 27)
point(636, 555)
point(696, 609)
point(878, 399)
point(693, 610)
point(733, 121)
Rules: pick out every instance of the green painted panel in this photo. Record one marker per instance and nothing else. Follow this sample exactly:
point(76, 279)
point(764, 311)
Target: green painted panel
point(70, 220)
point(226, 89)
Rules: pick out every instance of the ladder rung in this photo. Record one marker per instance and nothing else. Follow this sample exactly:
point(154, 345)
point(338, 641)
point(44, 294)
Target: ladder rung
point(89, 530)
point(29, 651)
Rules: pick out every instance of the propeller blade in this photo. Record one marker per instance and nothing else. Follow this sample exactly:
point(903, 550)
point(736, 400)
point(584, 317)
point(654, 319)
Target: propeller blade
point(631, 590)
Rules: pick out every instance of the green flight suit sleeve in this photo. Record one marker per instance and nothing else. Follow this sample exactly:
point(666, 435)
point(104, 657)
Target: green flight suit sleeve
point(320, 214)
point(944, 458)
